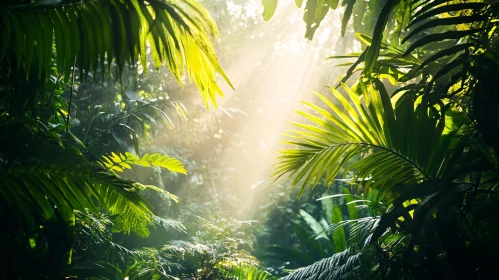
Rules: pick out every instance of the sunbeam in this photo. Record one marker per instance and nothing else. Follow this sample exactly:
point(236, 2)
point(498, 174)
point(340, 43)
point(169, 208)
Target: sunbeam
point(278, 68)
point(140, 139)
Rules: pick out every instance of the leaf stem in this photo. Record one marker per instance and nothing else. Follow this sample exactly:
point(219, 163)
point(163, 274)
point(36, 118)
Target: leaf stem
point(71, 96)
point(51, 96)
point(391, 151)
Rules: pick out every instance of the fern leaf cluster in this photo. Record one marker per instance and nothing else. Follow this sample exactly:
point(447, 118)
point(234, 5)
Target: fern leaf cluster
point(339, 266)
point(121, 162)
point(250, 273)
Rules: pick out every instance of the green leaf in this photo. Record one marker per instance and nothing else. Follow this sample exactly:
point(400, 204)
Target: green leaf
point(123, 161)
point(315, 11)
point(370, 127)
point(347, 15)
point(449, 35)
point(447, 9)
point(269, 7)
point(5, 34)
point(339, 239)
point(429, 9)
point(353, 212)
point(445, 52)
point(442, 22)
point(19, 39)
point(354, 66)
point(448, 67)
point(317, 228)
point(333, 4)
point(373, 53)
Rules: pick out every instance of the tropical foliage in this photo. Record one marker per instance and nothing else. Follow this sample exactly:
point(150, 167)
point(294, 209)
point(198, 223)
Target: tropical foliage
point(216, 251)
point(425, 148)
point(48, 175)
point(176, 33)
point(109, 169)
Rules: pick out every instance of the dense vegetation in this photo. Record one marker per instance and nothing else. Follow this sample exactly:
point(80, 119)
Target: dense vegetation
point(396, 167)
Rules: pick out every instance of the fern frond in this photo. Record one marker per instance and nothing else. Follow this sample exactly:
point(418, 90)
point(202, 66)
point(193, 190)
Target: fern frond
point(334, 267)
point(121, 162)
point(94, 231)
point(352, 263)
point(249, 273)
point(161, 192)
point(168, 224)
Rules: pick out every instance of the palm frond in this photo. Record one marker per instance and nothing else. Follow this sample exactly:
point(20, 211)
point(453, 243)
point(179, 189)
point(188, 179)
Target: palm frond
point(176, 33)
point(463, 30)
point(73, 187)
point(50, 179)
point(469, 26)
point(369, 128)
point(119, 162)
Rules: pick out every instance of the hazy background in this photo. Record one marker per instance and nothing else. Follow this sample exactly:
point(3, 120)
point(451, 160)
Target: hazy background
point(272, 67)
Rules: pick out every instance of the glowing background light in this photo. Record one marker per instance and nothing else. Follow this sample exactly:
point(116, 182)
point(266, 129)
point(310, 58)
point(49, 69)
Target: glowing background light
point(274, 68)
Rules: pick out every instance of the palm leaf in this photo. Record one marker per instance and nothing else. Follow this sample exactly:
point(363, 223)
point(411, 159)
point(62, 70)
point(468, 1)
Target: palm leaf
point(374, 49)
point(45, 188)
point(443, 53)
point(178, 33)
point(52, 180)
point(448, 35)
point(442, 22)
point(369, 128)
point(460, 23)
point(418, 17)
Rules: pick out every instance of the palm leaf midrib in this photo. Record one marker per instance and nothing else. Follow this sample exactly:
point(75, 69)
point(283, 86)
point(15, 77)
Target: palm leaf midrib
point(387, 149)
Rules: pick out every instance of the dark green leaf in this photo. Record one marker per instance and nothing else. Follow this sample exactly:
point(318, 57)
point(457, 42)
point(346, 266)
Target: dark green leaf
point(449, 35)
